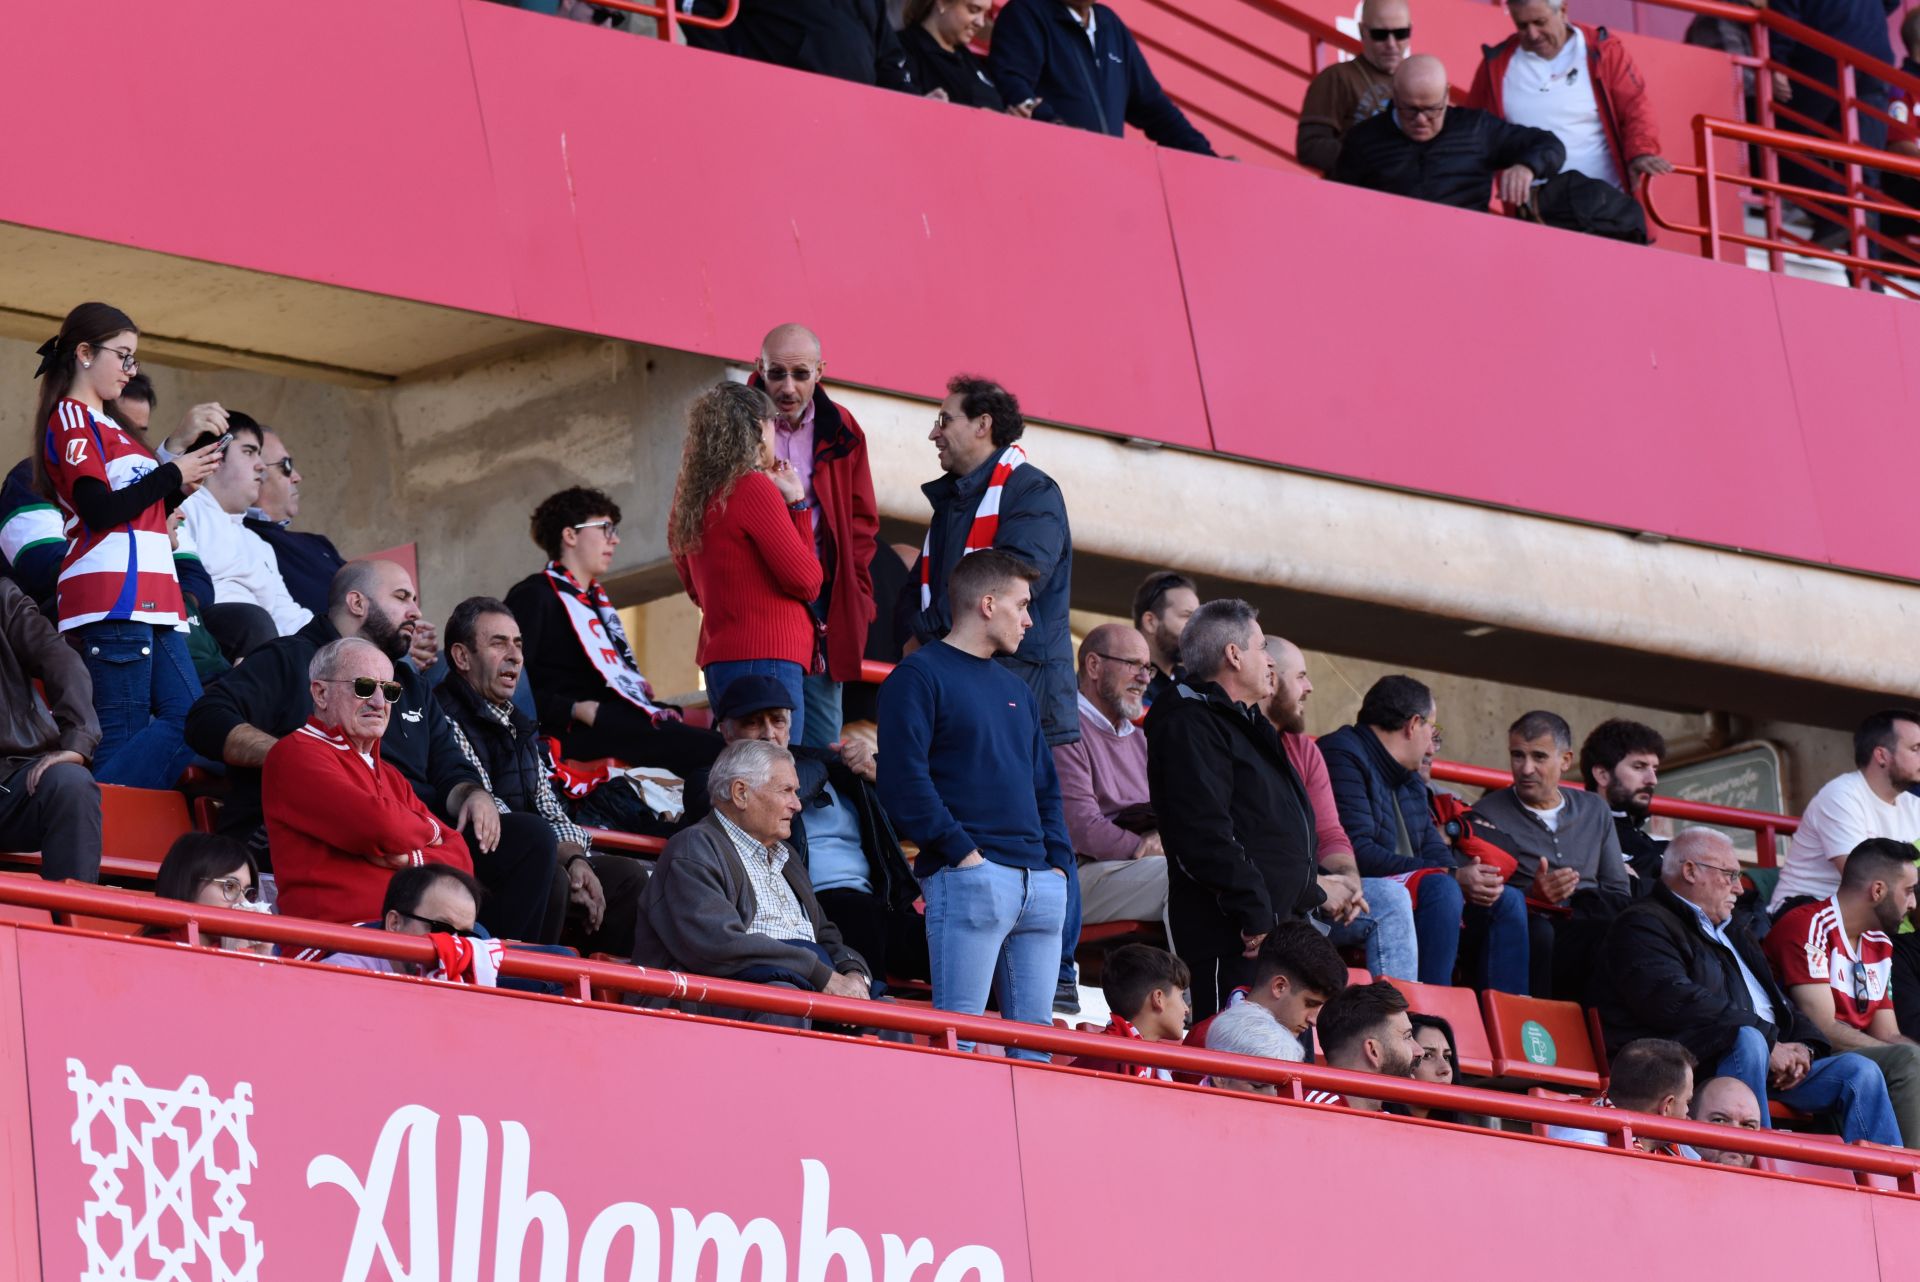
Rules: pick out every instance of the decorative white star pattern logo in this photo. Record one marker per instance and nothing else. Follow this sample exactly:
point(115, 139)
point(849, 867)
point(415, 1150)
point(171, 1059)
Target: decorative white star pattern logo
point(188, 1225)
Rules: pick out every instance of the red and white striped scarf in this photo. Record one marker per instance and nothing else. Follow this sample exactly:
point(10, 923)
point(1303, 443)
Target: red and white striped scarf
point(1120, 1026)
point(986, 520)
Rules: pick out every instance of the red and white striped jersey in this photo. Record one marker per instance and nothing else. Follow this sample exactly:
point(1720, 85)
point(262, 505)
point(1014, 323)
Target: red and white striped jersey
point(126, 571)
point(1809, 946)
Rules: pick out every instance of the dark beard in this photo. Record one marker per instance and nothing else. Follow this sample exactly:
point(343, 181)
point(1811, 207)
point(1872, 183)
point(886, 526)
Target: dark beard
point(393, 641)
point(1631, 806)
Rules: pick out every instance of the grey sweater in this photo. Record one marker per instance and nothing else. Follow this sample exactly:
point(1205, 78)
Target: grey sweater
point(698, 904)
point(1585, 839)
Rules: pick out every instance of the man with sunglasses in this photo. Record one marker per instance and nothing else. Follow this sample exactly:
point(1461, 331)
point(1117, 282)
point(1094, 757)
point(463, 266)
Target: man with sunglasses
point(308, 561)
point(1835, 959)
point(827, 450)
point(340, 819)
point(242, 716)
point(1358, 89)
point(1678, 964)
point(435, 899)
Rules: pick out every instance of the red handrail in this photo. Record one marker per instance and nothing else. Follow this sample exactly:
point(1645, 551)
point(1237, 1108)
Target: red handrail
point(946, 1028)
point(670, 19)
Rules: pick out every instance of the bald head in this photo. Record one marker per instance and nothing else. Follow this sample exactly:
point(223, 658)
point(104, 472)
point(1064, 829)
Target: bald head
point(790, 366)
point(1422, 76)
point(1393, 22)
point(1291, 686)
point(1727, 1101)
point(1114, 666)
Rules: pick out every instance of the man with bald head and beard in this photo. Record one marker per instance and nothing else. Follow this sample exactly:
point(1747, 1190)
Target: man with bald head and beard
point(1427, 149)
point(1103, 786)
point(828, 452)
point(1358, 89)
point(242, 716)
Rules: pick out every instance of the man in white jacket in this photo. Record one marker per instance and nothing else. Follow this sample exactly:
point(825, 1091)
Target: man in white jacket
point(251, 605)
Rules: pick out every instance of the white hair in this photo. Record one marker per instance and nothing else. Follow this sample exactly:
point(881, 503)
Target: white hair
point(1690, 844)
point(329, 658)
point(1250, 1029)
point(748, 761)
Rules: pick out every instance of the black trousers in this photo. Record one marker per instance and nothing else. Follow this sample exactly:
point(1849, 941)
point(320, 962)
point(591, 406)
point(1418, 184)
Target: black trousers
point(61, 819)
point(518, 875)
point(239, 627)
point(625, 733)
point(893, 942)
point(621, 881)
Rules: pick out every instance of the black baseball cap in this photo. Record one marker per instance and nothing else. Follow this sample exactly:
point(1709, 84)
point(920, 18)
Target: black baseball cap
point(748, 695)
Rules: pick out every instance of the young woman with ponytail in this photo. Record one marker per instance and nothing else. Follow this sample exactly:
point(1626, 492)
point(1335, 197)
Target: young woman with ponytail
point(119, 601)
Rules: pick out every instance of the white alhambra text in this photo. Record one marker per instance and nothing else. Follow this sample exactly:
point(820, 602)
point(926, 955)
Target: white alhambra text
point(412, 1135)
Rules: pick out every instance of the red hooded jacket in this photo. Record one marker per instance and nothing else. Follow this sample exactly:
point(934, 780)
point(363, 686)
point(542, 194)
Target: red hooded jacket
point(1619, 92)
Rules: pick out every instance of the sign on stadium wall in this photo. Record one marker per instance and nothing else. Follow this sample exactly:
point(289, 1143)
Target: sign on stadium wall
point(274, 1124)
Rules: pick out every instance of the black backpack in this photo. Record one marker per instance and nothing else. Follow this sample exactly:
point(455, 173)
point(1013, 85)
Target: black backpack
point(1575, 202)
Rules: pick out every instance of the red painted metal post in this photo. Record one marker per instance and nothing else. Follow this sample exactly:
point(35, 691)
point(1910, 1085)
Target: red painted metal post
point(1765, 848)
point(1709, 204)
point(1769, 158)
point(668, 27)
point(1856, 176)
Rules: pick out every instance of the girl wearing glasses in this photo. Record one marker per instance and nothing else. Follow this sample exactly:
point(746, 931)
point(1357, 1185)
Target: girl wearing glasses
point(118, 594)
point(741, 534)
point(216, 872)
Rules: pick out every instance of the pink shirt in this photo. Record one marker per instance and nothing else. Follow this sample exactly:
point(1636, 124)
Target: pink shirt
point(794, 443)
point(1101, 775)
point(1330, 837)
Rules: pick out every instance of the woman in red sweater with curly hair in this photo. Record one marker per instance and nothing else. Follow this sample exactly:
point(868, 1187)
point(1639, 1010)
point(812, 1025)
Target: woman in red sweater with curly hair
point(741, 534)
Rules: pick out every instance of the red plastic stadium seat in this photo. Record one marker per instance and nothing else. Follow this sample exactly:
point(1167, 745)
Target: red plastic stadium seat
point(626, 843)
point(1541, 1041)
point(1462, 1011)
point(138, 825)
point(1108, 932)
point(1359, 975)
point(20, 914)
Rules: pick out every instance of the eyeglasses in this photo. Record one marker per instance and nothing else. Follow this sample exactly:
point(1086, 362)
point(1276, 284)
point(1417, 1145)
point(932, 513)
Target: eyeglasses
point(1389, 33)
point(1732, 875)
point(284, 464)
point(943, 418)
point(233, 890)
point(1132, 665)
point(1421, 113)
point(608, 528)
point(437, 926)
point(799, 374)
point(363, 687)
point(128, 361)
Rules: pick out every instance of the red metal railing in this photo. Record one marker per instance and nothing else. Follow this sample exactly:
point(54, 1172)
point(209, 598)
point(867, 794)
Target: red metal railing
point(668, 18)
point(1862, 239)
point(944, 1028)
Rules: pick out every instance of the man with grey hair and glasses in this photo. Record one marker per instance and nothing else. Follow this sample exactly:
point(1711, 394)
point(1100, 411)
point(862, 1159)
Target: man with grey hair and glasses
point(729, 899)
point(1233, 814)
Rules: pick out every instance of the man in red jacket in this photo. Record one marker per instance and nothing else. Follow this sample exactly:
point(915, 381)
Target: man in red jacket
point(339, 819)
point(828, 451)
point(1580, 84)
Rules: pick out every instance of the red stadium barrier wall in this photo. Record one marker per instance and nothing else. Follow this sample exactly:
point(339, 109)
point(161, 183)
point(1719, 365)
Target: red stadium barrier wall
point(492, 159)
point(311, 1125)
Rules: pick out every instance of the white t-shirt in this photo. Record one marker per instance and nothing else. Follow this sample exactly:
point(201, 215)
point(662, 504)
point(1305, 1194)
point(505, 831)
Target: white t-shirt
point(1841, 816)
point(1556, 94)
point(1551, 818)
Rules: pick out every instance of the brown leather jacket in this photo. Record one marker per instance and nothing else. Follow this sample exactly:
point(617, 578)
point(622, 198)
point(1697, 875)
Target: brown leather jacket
point(30, 648)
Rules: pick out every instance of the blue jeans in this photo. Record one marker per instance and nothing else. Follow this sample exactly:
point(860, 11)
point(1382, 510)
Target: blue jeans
point(143, 685)
point(994, 926)
point(1501, 931)
point(823, 712)
point(1850, 1086)
point(1070, 931)
point(721, 675)
point(1387, 929)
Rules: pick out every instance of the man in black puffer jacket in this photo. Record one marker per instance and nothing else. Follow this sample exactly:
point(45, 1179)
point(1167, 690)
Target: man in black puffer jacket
point(1233, 814)
point(1425, 149)
point(845, 39)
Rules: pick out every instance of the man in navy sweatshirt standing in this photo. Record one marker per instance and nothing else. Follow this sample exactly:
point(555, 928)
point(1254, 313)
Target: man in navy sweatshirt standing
point(966, 774)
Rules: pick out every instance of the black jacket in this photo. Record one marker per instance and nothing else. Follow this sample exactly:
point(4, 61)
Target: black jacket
point(269, 692)
point(887, 868)
point(1033, 526)
point(1662, 976)
point(558, 669)
point(1040, 50)
point(957, 71)
point(845, 39)
point(1233, 814)
point(1455, 168)
point(1906, 984)
point(1643, 853)
point(512, 756)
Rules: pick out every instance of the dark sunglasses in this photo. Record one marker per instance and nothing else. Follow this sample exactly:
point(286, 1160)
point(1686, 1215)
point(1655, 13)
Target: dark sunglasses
point(1402, 34)
point(363, 687)
point(284, 464)
point(799, 374)
point(437, 926)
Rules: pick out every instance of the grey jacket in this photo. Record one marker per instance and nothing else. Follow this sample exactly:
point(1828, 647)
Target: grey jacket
point(698, 904)
point(1585, 839)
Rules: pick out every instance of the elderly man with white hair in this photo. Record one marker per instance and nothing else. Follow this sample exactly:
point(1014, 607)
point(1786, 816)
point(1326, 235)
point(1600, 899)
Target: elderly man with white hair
point(1678, 965)
point(729, 899)
point(340, 818)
